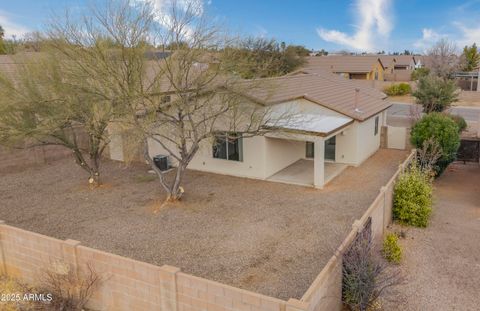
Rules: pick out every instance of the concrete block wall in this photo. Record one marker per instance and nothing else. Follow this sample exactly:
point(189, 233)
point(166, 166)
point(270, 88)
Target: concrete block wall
point(133, 285)
point(197, 294)
point(126, 284)
point(21, 156)
point(325, 292)
point(17, 158)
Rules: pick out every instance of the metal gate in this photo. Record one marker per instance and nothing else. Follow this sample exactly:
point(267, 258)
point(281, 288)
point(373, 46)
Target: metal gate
point(469, 150)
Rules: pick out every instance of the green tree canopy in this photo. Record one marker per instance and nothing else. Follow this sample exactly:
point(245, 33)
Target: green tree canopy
point(260, 58)
point(435, 94)
point(441, 128)
point(471, 57)
point(3, 49)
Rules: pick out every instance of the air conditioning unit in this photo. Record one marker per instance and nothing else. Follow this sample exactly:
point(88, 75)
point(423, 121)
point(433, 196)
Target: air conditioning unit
point(161, 161)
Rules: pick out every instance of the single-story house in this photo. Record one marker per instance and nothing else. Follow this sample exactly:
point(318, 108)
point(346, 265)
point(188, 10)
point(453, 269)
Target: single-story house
point(360, 67)
point(398, 67)
point(336, 124)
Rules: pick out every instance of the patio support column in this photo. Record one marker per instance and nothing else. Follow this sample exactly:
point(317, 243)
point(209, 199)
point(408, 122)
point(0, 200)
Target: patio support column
point(319, 163)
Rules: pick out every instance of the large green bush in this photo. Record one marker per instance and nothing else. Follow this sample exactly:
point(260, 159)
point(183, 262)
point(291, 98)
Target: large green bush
point(419, 73)
point(398, 89)
point(441, 128)
point(461, 123)
point(435, 94)
point(412, 198)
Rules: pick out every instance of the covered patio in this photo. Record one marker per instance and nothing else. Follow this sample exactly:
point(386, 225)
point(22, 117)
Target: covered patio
point(302, 173)
point(304, 151)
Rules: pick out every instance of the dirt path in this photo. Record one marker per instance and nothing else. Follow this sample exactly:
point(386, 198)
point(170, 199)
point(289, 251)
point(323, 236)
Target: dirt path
point(442, 262)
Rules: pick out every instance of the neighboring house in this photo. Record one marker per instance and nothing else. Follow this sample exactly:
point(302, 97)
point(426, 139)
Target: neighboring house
point(335, 123)
point(419, 61)
point(398, 67)
point(358, 67)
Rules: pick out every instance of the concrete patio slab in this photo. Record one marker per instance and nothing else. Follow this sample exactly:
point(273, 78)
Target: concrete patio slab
point(301, 173)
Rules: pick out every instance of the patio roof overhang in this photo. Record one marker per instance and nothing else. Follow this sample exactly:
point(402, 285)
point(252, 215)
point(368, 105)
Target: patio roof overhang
point(314, 124)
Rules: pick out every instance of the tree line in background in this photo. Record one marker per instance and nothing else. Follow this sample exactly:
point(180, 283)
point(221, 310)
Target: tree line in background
point(93, 78)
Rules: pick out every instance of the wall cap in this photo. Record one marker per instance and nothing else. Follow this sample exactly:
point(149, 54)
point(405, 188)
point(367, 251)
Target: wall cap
point(170, 269)
point(297, 303)
point(73, 243)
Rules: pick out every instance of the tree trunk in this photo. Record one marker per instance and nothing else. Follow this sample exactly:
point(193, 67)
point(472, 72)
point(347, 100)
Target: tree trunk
point(176, 190)
point(94, 179)
point(91, 168)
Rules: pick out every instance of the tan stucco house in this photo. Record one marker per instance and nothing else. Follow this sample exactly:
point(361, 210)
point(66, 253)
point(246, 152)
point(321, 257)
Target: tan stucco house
point(337, 124)
point(398, 67)
point(358, 67)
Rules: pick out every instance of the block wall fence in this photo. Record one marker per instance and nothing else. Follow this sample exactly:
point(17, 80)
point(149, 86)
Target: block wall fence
point(133, 285)
point(23, 156)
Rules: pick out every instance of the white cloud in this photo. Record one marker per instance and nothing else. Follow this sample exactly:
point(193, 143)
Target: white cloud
point(374, 25)
point(163, 12)
point(460, 34)
point(429, 38)
point(469, 35)
point(260, 31)
point(11, 28)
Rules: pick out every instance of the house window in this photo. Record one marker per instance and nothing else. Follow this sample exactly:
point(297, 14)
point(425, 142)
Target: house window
point(377, 118)
point(228, 146)
point(376, 75)
point(309, 150)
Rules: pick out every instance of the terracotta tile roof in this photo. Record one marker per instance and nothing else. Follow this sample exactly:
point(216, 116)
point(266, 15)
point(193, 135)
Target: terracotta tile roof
point(342, 63)
point(402, 60)
point(325, 89)
point(321, 87)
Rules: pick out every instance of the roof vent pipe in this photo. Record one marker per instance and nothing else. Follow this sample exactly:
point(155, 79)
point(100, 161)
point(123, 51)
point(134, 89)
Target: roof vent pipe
point(357, 92)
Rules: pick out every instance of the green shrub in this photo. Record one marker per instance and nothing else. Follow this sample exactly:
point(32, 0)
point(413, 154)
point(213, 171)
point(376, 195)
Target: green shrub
point(398, 89)
point(441, 128)
point(391, 249)
point(419, 73)
point(435, 94)
point(412, 198)
point(365, 275)
point(461, 123)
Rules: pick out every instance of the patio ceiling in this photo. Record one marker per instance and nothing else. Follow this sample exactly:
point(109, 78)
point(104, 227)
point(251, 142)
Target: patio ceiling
point(322, 124)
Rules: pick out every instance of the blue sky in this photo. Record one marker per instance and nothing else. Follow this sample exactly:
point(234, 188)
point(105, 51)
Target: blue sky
point(356, 25)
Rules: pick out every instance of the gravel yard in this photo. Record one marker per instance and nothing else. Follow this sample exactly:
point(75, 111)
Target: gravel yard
point(442, 262)
point(267, 237)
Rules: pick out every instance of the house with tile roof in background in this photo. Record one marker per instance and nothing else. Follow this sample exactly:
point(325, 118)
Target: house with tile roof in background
point(398, 67)
point(355, 67)
point(335, 123)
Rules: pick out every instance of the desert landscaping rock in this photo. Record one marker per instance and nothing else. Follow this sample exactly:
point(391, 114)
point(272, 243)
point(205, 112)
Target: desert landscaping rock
point(262, 236)
point(442, 262)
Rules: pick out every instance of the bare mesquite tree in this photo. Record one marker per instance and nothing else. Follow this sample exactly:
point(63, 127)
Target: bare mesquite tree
point(78, 85)
point(187, 99)
point(442, 59)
